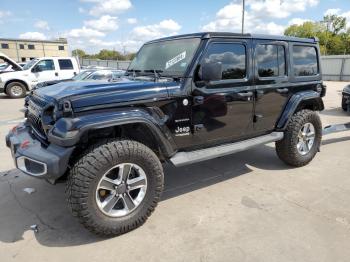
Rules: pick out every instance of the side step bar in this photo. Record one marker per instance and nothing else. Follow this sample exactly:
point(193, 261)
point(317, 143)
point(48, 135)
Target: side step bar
point(185, 158)
point(336, 128)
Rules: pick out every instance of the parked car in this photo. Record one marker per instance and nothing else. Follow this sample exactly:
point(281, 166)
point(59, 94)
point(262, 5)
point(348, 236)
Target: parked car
point(345, 104)
point(16, 84)
point(88, 75)
point(186, 99)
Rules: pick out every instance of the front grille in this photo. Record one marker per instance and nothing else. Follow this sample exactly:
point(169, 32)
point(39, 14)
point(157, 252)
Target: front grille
point(35, 110)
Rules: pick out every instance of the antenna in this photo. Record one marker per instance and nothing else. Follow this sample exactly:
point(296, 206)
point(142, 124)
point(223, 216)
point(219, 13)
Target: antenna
point(243, 10)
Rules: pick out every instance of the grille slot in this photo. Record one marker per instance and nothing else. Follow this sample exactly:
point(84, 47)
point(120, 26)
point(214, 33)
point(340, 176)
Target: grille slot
point(35, 109)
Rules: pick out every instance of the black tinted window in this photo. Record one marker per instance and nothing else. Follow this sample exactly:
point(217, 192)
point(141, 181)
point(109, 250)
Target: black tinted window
point(231, 56)
point(5, 46)
point(65, 64)
point(305, 60)
point(21, 46)
point(31, 47)
point(271, 60)
point(61, 47)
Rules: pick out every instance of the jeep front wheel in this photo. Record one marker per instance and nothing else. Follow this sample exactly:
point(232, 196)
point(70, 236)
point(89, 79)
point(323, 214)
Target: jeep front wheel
point(115, 186)
point(16, 90)
point(302, 139)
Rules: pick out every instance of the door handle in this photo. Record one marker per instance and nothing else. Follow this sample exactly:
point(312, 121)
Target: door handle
point(245, 94)
point(282, 90)
point(56, 74)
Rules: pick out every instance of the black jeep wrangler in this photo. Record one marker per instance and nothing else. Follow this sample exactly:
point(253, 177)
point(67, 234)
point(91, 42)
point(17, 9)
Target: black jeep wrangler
point(184, 99)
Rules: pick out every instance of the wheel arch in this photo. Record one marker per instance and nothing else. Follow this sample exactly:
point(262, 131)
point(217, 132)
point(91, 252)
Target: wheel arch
point(19, 81)
point(303, 100)
point(135, 124)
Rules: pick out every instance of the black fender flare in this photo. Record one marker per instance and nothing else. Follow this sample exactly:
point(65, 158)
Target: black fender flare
point(67, 132)
point(300, 100)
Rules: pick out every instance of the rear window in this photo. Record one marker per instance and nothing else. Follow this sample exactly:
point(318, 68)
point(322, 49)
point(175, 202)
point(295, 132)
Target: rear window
point(65, 64)
point(305, 62)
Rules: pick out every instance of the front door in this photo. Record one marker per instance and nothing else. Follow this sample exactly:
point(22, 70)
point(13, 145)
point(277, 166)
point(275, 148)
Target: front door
point(223, 110)
point(43, 71)
point(271, 79)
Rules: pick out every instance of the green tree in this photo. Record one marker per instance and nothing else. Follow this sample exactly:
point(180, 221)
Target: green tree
point(79, 53)
point(330, 31)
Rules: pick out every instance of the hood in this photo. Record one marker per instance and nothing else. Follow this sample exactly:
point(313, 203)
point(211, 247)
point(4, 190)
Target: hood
point(15, 66)
point(84, 94)
point(347, 89)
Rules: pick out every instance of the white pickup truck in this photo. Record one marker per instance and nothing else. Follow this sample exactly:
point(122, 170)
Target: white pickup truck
point(16, 83)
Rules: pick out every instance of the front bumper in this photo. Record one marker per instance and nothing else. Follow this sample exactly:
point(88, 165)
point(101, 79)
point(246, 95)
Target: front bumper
point(346, 100)
point(35, 159)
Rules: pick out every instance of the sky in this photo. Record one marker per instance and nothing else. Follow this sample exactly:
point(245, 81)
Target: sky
point(124, 25)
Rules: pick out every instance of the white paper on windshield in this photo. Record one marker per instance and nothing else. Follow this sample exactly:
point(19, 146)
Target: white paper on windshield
point(175, 60)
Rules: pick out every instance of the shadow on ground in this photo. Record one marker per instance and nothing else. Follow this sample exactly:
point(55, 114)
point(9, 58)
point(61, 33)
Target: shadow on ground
point(47, 206)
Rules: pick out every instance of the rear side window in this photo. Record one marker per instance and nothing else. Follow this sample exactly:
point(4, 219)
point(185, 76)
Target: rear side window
point(65, 64)
point(271, 60)
point(305, 62)
point(233, 59)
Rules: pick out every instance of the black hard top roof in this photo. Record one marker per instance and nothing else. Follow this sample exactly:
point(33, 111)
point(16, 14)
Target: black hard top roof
point(207, 35)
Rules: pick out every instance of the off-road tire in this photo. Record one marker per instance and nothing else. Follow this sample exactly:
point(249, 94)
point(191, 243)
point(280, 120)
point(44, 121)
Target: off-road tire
point(11, 93)
point(344, 106)
point(86, 173)
point(287, 147)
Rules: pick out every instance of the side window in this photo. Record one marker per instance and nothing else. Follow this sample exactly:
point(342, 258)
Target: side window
point(232, 56)
point(65, 64)
point(305, 62)
point(271, 60)
point(45, 65)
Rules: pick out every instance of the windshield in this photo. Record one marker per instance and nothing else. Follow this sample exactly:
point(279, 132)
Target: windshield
point(167, 57)
point(82, 75)
point(30, 64)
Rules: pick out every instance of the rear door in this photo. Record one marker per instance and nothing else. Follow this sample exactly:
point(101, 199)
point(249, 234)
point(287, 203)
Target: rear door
point(223, 110)
point(272, 83)
point(67, 69)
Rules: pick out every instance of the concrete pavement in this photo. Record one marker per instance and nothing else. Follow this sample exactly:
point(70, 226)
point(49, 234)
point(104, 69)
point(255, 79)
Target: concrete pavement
point(244, 207)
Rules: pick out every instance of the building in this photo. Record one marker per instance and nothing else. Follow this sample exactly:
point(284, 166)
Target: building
point(22, 50)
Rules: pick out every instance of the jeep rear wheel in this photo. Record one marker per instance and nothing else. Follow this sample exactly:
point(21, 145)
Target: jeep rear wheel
point(302, 139)
point(16, 90)
point(115, 187)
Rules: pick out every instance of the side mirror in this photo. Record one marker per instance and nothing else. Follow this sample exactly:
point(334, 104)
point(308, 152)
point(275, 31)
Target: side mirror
point(211, 71)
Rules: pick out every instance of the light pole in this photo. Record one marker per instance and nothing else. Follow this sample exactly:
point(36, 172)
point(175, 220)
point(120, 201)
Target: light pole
point(243, 9)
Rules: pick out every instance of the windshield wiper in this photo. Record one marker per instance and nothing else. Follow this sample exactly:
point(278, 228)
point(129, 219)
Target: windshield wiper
point(133, 71)
point(156, 72)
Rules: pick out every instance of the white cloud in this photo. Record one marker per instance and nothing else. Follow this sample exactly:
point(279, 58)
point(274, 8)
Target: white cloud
point(260, 15)
point(279, 8)
point(298, 21)
point(102, 7)
point(85, 32)
point(33, 36)
point(332, 11)
point(132, 21)
point(4, 15)
point(105, 23)
point(41, 24)
point(162, 29)
point(81, 10)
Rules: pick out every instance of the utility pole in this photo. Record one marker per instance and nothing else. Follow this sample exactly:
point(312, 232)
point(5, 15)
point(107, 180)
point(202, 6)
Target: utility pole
point(243, 9)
